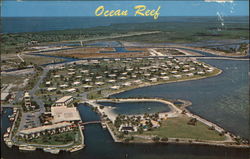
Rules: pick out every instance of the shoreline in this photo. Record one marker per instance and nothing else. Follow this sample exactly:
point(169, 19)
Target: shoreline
point(228, 142)
point(190, 114)
point(160, 83)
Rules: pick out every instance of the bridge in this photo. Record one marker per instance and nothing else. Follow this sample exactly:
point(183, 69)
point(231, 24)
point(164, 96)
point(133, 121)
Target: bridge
point(91, 122)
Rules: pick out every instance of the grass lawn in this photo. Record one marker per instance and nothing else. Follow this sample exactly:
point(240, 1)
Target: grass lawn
point(57, 139)
point(178, 128)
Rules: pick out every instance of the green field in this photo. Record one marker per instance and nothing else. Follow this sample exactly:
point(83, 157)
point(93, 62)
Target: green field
point(57, 139)
point(178, 128)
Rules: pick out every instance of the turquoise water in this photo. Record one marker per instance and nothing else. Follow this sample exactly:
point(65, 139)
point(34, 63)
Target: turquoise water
point(132, 108)
point(223, 99)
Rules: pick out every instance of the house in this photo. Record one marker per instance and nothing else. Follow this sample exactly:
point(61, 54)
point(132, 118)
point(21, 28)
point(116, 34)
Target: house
point(99, 83)
point(165, 78)
point(209, 71)
point(138, 82)
point(155, 124)
point(173, 72)
point(63, 86)
point(200, 73)
point(76, 83)
point(87, 86)
point(192, 69)
point(88, 80)
point(134, 76)
point(111, 81)
point(123, 78)
point(115, 87)
point(177, 76)
point(64, 101)
point(98, 77)
point(48, 83)
point(127, 128)
point(78, 76)
point(50, 89)
point(126, 84)
point(57, 76)
point(112, 75)
point(190, 74)
point(85, 71)
point(71, 73)
point(71, 90)
point(153, 79)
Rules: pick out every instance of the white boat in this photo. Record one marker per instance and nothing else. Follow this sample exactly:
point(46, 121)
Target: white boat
point(8, 129)
point(27, 148)
point(53, 151)
point(8, 143)
point(6, 135)
point(104, 126)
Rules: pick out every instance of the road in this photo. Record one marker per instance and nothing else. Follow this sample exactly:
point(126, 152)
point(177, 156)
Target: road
point(36, 88)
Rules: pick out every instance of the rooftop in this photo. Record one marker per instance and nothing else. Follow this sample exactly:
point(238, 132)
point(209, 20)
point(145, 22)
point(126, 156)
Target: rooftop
point(64, 114)
point(63, 99)
point(45, 127)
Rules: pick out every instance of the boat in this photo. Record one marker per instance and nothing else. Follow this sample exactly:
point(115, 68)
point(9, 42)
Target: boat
point(6, 135)
point(53, 151)
point(8, 142)
point(27, 148)
point(8, 129)
point(76, 148)
point(104, 126)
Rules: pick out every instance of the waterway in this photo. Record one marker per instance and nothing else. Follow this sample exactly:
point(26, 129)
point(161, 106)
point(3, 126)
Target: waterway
point(132, 108)
point(223, 99)
point(99, 145)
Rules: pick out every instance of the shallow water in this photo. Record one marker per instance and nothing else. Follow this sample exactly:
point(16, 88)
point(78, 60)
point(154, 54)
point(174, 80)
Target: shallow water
point(132, 108)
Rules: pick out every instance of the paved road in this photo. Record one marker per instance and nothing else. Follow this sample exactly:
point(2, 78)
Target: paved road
point(36, 88)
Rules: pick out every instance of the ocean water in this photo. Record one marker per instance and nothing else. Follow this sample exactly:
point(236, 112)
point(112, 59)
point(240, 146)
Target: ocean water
point(36, 24)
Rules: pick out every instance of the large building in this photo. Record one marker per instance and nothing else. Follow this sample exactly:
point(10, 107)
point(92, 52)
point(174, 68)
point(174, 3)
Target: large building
point(45, 130)
point(27, 100)
point(4, 96)
point(64, 113)
point(64, 101)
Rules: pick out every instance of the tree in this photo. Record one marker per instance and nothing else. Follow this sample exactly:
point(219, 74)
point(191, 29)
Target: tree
point(164, 139)
point(156, 139)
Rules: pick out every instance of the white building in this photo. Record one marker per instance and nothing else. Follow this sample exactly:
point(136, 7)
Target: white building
point(64, 101)
point(27, 100)
point(64, 113)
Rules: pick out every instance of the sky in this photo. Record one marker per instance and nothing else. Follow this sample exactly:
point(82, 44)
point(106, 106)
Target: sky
point(87, 8)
